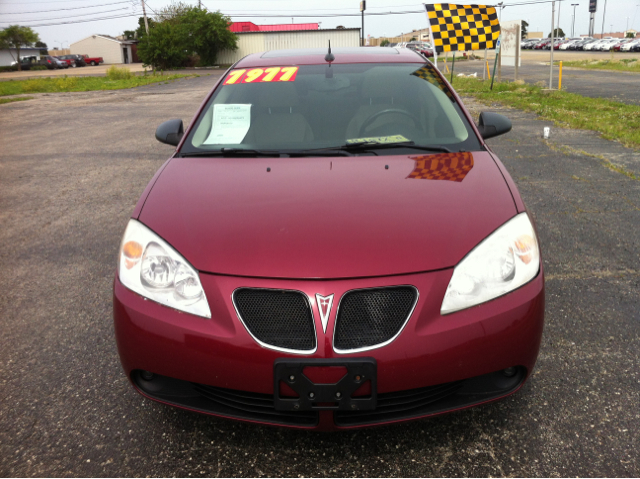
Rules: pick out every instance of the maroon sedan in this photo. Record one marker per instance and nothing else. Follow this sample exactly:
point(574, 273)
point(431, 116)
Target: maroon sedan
point(332, 245)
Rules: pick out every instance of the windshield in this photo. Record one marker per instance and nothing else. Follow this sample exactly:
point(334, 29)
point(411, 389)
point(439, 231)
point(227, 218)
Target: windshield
point(329, 106)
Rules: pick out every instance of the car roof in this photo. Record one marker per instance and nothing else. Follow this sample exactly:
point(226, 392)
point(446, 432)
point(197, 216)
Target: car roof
point(315, 56)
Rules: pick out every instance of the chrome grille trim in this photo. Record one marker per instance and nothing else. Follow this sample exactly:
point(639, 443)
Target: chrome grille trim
point(270, 346)
point(379, 345)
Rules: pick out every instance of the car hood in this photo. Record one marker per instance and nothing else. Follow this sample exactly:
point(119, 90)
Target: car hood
point(339, 217)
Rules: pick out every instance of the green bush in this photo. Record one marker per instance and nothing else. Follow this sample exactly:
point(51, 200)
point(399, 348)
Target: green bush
point(8, 69)
point(115, 73)
point(39, 67)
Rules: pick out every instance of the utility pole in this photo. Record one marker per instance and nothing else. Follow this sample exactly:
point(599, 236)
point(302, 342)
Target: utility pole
point(363, 7)
point(144, 13)
point(146, 27)
point(604, 12)
point(573, 23)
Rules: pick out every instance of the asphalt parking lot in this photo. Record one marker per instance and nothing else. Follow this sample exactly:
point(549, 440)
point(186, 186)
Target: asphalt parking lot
point(591, 83)
point(71, 172)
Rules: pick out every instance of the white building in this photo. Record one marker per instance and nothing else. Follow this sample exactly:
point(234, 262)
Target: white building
point(10, 55)
point(110, 49)
point(254, 42)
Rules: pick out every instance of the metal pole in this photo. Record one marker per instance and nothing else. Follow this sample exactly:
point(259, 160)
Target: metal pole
point(558, 24)
point(573, 25)
point(484, 74)
point(604, 11)
point(362, 41)
point(553, 16)
point(496, 60)
point(501, 5)
point(515, 76)
point(453, 63)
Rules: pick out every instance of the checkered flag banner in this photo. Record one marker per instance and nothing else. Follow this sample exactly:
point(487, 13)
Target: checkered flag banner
point(463, 27)
point(442, 166)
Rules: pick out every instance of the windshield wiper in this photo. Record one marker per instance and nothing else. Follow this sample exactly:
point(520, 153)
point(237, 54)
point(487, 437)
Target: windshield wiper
point(373, 145)
point(232, 152)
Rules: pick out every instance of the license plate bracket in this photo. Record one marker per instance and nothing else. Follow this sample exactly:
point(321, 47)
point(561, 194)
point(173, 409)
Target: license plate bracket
point(313, 396)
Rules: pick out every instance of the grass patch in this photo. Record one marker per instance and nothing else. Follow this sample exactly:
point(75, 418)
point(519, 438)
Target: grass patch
point(120, 81)
point(9, 100)
point(624, 65)
point(614, 120)
point(115, 73)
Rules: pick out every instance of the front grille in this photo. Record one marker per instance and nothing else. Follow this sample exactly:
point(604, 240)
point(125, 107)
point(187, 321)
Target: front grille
point(370, 317)
point(415, 403)
point(398, 405)
point(229, 403)
point(277, 318)
point(254, 406)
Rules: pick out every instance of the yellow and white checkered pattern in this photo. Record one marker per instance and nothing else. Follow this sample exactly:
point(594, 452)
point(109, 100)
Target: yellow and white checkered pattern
point(463, 27)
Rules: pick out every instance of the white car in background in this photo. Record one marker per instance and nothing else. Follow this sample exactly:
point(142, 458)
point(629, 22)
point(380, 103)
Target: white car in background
point(627, 47)
point(568, 43)
point(595, 45)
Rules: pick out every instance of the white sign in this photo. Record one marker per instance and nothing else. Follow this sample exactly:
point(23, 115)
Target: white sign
point(230, 124)
point(510, 42)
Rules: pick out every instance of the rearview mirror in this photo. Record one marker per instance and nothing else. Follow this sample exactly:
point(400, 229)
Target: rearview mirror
point(170, 132)
point(493, 124)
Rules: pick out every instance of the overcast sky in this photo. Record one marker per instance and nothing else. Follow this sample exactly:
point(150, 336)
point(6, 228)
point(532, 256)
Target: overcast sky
point(42, 14)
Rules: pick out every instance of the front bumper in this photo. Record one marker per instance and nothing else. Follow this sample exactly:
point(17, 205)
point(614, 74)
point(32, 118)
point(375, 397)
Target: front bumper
point(442, 362)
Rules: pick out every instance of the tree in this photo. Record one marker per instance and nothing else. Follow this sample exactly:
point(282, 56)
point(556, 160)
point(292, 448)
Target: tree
point(129, 34)
point(630, 35)
point(523, 32)
point(181, 31)
point(413, 39)
point(43, 48)
point(384, 43)
point(557, 33)
point(17, 37)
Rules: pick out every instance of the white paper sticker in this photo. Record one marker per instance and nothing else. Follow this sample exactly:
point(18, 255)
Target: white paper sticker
point(230, 124)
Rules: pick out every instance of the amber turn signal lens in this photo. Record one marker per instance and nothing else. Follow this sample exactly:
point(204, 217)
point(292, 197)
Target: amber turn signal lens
point(132, 251)
point(525, 246)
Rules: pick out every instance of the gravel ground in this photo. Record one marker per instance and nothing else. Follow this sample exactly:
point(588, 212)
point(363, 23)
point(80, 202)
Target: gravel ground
point(619, 86)
point(71, 172)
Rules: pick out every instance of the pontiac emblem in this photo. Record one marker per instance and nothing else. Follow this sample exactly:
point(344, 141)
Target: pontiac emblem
point(324, 307)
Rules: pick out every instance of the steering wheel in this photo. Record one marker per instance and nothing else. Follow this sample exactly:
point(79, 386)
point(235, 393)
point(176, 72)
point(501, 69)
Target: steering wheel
point(375, 116)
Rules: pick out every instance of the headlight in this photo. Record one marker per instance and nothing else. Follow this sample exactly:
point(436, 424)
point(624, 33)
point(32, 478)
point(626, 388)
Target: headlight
point(153, 269)
point(504, 261)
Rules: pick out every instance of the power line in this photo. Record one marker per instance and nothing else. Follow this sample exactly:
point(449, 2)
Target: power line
point(72, 8)
point(71, 16)
point(85, 21)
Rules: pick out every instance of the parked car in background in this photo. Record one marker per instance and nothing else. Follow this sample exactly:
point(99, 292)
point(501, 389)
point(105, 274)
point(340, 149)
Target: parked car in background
point(74, 60)
point(423, 48)
point(542, 44)
point(628, 47)
point(93, 61)
point(582, 44)
point(52, 63)
point(530, 43)
point(27, 62)
point(572, 41)
point(68, 62)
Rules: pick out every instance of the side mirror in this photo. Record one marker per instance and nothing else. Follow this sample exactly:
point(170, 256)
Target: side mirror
point(493, 124)
point(170, 132)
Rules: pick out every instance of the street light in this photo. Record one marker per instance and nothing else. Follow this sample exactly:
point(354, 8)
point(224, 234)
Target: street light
point(573, 24)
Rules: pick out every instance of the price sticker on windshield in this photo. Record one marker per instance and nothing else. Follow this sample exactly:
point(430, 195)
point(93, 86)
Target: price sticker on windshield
point(262, 75)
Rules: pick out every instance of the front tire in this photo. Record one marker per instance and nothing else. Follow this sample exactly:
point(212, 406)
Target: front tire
point(93, 64)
